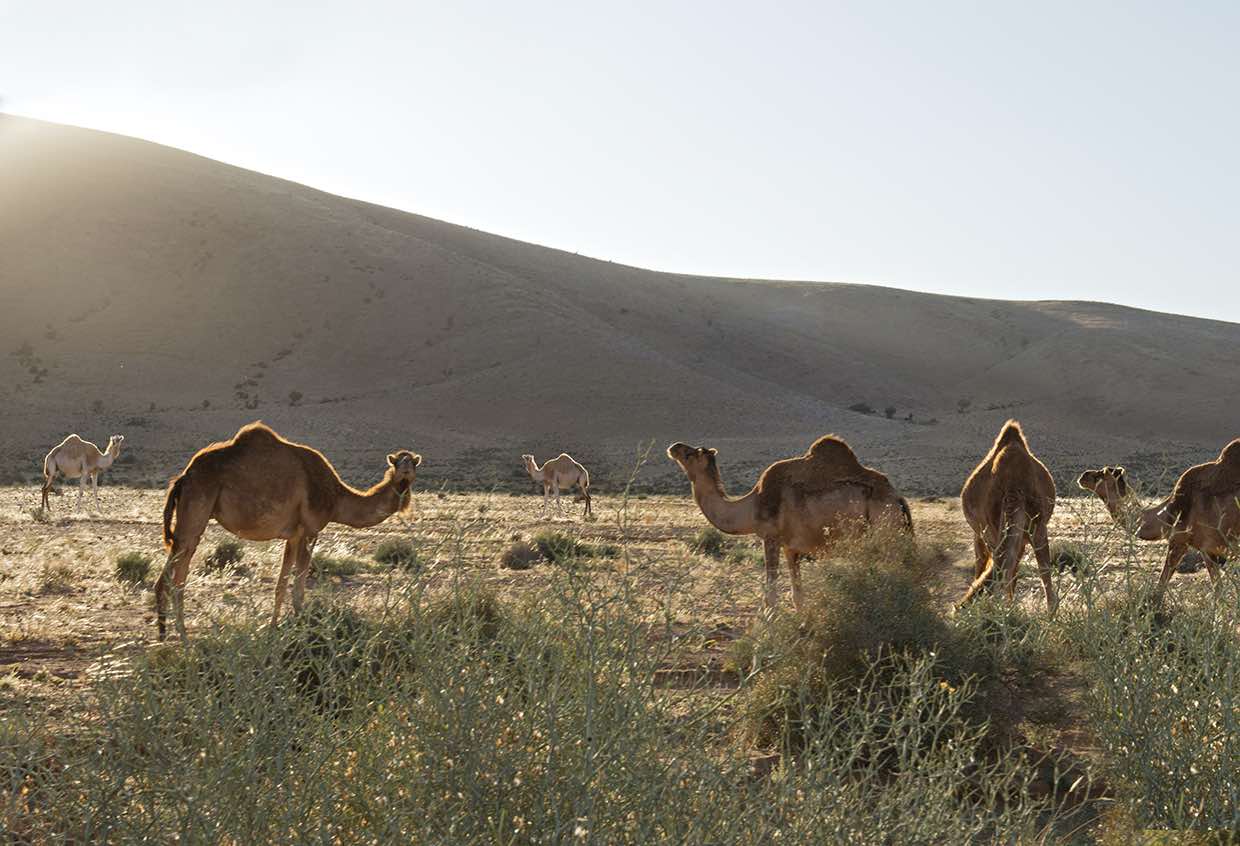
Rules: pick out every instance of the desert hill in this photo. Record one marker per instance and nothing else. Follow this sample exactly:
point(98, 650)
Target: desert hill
point(156, 293)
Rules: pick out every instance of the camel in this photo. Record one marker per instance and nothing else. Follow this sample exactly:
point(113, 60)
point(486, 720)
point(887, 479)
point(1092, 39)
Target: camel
point(75, 458)
point(1110, 484)
point(799, 505)
point(1203, 513)
point(1008, 500)
point(561, 472)
point(260, 486)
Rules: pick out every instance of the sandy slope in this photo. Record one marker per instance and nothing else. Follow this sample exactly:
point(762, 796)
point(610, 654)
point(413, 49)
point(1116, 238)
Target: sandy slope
point(154, 282)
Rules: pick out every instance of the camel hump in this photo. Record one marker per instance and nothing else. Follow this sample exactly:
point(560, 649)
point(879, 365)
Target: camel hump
point(258, 430)
point(831, 455)
point(1230, 458)
point(1011, 433)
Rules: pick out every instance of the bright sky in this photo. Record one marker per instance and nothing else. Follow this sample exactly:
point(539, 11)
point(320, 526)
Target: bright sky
point(1053, 150)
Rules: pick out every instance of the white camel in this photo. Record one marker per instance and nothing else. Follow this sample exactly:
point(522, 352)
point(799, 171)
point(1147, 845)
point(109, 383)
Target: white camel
point(559, 473)
point(75, 458)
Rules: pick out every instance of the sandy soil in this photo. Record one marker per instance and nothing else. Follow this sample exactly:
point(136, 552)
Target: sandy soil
point(64, 618)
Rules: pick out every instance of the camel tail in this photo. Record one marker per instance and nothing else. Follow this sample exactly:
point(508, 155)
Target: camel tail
point(170, 508)
point(1015, 528)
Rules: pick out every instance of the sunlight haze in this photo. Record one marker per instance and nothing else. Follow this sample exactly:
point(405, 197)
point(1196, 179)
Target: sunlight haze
point(1057, 151)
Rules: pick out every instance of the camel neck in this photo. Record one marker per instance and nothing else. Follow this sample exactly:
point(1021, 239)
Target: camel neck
point(363, 509)
point(728, 515)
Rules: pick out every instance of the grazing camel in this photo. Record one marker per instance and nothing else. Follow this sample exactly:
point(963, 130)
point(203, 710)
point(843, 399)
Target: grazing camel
point(561, 472)
point(1008, 500)
point(799, 505)
point(75, 458)
point(261, 487)
point(1110, 484)
point(1204, 513)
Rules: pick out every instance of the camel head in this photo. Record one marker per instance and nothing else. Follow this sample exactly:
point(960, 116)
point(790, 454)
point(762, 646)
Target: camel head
point(531, 466)
point(694, 461)
point(403, 469)
point(114, 445)
point(1108, 483)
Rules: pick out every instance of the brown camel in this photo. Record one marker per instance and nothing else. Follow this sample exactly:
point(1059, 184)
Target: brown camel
point(1110, 484)
point(1204, 513)
point(800, 505)
point(1008, 500)
point(261, 487)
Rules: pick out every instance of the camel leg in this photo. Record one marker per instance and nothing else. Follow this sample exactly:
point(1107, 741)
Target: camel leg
point(94, 486)
point(1212, 567)
point(291, 547)
point(586, 493)
point(770, 548)
point(47, 487)
point(174, 575)
point(1042, 551)
point(81, 489)
point(304, 551)
point(546, 493)
point(794, 570)
point(559, 504)
point(1013, 566)
point(1176, 549)
point(981, 556)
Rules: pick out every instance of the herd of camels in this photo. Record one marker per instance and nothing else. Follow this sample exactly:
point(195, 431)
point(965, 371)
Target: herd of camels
point(262, 487)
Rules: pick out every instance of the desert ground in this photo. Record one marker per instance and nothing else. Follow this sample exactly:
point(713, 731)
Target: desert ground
point(65, 615)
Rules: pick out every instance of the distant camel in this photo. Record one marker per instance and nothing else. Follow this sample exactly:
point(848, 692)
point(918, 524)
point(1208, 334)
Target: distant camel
point(560, 473)
point(1110, 484)
point(1008, 501)
point(261, 487)
point(1204, 513)
point(800, 505)
point(75, 458)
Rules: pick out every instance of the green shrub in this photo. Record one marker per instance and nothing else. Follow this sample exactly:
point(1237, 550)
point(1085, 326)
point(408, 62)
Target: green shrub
point(1165, 702)
point(710, 542)
point(1072, 558)
point(398, 553)
point(520, 555)
point(560, 548)
point(745, 554)
point(863, 611)
point(226, 556)
point(330, 564)
point(132, 568)
point(462, 720)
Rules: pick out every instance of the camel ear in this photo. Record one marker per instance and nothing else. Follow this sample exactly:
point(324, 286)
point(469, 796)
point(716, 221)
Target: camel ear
point(710, 450)
point(392, 458)
point(1119, 472)
point(417, 460)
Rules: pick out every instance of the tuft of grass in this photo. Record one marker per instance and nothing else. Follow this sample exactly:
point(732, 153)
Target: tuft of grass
point(57, 578)
point(745, 554)
point(1069, 557)
point(329, 564)
point(132, 568)
point(520, 555)
point(710, 542)
point(225, 557)
point(560, 548)
point(398, 554)
point(40, 515)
